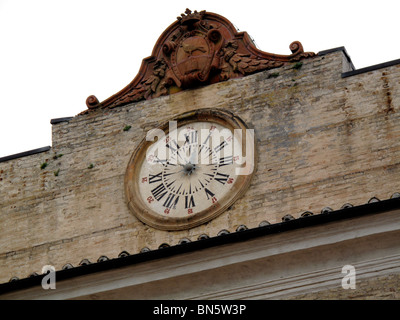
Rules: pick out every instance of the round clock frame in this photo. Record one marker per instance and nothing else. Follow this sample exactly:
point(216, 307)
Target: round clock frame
point(142, 203)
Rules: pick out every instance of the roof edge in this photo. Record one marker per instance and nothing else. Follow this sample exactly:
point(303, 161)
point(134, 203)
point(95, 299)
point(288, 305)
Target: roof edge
point(371, 68)
point(25, 154)
point(355, 71)
point(343, 49)
point(59, 120)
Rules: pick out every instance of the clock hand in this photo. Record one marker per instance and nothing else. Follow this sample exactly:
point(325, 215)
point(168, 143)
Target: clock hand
point(192, 158)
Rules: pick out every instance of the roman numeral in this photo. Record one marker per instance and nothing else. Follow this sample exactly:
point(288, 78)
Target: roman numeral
point(155, 177)
point(169, 202)
point(205, 141)
point(222, 177)
point(225, 161)
point(221, 146)
point(189, 202)
point(159, 192)
point(208, 193)
point(191, 137)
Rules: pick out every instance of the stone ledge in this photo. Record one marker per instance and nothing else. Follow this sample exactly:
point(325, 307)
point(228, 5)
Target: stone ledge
point(371, 68)
point(25, 154)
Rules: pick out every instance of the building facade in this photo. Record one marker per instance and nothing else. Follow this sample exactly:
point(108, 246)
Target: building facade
point(321, 197)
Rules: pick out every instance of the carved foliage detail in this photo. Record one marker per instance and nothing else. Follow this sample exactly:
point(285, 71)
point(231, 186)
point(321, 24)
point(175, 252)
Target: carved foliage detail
point(151, 87)
point(242, 63)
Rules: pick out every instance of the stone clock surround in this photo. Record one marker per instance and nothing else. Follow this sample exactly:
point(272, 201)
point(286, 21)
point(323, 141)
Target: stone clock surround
point(213, 186)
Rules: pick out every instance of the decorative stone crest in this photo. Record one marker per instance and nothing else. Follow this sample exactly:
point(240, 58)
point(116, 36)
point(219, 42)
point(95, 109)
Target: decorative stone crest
point(200, 48)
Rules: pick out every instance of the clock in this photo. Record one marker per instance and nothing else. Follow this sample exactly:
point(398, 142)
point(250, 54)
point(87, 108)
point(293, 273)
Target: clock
point(189, 170)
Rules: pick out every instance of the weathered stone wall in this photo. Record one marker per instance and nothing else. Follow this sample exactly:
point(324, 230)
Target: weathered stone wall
point(322, 140)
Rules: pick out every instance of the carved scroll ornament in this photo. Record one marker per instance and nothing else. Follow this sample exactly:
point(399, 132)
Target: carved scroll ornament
point(199, 48)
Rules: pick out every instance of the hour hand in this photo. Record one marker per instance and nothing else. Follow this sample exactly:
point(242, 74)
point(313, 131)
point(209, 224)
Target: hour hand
point(193, 157)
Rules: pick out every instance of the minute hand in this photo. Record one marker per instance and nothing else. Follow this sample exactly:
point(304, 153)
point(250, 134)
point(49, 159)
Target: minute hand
point(192, 157)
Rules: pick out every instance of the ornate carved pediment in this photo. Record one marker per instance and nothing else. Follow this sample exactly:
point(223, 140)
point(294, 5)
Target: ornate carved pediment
point(199, 48)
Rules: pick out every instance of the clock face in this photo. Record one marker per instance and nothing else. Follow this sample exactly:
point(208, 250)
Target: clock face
point(191, 173)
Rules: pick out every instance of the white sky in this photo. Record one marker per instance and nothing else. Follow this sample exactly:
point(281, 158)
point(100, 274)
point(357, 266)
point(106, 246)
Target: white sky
point(55, 53)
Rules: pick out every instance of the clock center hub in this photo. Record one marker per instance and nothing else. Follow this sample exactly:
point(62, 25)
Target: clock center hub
point(188, 168)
